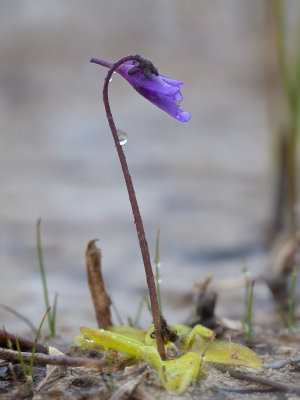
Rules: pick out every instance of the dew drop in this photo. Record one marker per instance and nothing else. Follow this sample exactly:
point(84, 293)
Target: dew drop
point(159, 280)
point(110, 79)
point(122, 137)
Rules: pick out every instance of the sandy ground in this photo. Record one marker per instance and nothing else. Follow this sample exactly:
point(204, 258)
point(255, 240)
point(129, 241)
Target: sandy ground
point(207, 184)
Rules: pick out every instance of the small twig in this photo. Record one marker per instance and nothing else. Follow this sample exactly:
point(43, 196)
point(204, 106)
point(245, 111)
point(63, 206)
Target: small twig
point(13, 374)
point(260, 380)
point(25, 344)
point(139, 393)
point(43, 359)
point(283, 364)
point(17, 314)
point(127, 390)
point(99, 295)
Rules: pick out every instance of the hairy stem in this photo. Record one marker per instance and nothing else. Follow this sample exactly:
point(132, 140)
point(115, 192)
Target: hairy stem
point(157, 319)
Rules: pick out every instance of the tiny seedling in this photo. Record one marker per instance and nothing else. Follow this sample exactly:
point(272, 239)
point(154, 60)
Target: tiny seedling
point(52, 314)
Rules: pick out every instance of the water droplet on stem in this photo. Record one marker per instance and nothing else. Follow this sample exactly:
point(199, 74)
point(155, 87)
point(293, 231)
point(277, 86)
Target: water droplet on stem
point(122, 136)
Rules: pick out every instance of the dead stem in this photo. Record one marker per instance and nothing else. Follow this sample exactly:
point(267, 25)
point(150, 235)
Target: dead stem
point(283, 364)
point(25, 344)
point(13, 374)
point(45, 359)
point(100, 298)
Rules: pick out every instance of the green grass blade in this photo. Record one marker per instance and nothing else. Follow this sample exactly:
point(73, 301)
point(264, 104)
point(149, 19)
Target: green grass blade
point(35, 342)
point(250, 309)
point(139, 310)
point(53, 312)
point(157, 266)
point(21, 359)
point(284, 317)
point(43, 275)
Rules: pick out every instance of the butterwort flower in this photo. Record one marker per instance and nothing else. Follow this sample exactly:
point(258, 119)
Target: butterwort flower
point(144, 78)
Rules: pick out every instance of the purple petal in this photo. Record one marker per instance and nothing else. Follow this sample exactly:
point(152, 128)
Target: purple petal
point(162, 91)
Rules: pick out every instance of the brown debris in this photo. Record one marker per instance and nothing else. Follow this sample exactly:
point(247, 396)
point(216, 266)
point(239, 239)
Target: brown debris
point(285, 255)
point(9, 339)
point(100, 298)
point(205, 301)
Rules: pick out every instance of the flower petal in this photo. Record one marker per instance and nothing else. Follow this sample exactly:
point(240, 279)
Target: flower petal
point(162, 91)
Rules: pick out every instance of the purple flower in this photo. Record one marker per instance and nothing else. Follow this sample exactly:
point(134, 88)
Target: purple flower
point(160, 90)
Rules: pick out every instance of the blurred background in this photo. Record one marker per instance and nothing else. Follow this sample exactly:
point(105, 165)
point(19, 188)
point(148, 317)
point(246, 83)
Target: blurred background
point(208, 184)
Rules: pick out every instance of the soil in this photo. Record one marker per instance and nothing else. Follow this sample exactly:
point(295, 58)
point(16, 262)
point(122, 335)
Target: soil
point(280, 373)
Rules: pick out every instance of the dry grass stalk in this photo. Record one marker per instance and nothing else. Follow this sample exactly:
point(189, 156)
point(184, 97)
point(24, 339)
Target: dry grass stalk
point(100, 298)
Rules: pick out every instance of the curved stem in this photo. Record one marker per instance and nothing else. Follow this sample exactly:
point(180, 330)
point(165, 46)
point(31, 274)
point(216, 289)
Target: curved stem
point(157, 318)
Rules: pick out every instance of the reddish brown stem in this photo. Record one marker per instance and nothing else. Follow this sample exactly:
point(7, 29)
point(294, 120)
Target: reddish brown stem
point(157, 319)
